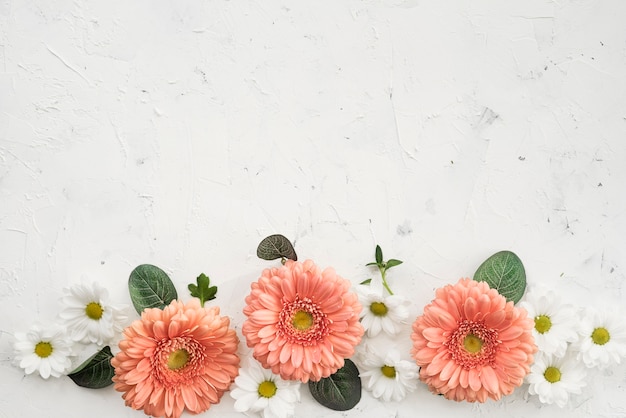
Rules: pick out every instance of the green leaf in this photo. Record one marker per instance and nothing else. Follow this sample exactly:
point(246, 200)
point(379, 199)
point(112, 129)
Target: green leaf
point(150, 287)
point(366, 281)
point(379, 255)
point(95, 372)
point(392, 262)
point(276, 246)
point(202, 290)
point(504, 272)
point(340, 391)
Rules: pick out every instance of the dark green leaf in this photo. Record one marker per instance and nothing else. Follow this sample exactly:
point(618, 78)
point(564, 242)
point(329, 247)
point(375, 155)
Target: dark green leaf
point(379, 255)
point(202, 290)
point(504, 272)
point(372, 264)
point(340, 391)
point(150, 287)
point(276, 246)
point(366, 281)
point(95, 372)
point(392, 262)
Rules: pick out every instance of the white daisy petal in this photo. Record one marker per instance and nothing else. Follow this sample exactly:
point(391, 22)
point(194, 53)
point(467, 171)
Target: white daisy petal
point(556, 324)
point(45, 350)
point(280, 404)
point(602, 338)
point(381, 313)
point(553, 379)
point(96, 325)
point(387, 375)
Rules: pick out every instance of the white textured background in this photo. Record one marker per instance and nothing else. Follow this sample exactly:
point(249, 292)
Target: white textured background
point(182, 133)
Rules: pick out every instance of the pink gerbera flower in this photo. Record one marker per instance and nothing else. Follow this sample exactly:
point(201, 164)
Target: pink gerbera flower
point(181, 357)
point(302, 322)
point(471, 344)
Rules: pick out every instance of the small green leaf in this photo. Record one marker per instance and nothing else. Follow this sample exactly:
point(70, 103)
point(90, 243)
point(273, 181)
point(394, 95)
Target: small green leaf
point(504, 272)
point(150, 287)
point(379, 255)
point(95, 372)
point(372, 264)
point(392, 262)
point(366, 281)
point(276, 246)
point(340, 391)
point(202, 290)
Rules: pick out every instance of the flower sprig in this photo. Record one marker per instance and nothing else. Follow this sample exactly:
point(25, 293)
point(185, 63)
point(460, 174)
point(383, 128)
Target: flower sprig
point(383, 266)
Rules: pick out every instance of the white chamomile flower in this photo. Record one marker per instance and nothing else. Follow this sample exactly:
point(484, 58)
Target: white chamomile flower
point(381, 313)
point(388, 376)
point(602, 340)
point(556, 323)
point(259, 390)
point(553, 379)
point(89, 316)
point(45, 350)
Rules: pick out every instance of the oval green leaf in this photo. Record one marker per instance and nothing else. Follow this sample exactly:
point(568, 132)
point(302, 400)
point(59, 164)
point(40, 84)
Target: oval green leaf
point(150, 287)
point(95, 372)
point(504, 272)
point(276, 246)
point(340, 391)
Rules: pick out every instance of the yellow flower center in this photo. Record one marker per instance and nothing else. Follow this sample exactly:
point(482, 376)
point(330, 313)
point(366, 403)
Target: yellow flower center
point(552, 374)
point(543, 324)
point(178, 359)
point(600, 336)
point(267, 389)
point(43, 349)
point(302, 320)
point(378, 308)
point(388, 371)
point(472, 343)
point(94, 310)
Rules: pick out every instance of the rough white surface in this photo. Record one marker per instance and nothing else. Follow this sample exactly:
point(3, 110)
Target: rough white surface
point(182, 133)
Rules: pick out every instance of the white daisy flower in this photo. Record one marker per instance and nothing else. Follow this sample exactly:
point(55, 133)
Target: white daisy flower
point(556, 324)
point(45, 350)
point(602, 340)
point(89, 316)
point(388, 376)
point(259, 390)
point(553, 379)
point(381, 313)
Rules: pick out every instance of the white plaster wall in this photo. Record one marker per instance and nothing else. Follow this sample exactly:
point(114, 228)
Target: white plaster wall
point(182, 133)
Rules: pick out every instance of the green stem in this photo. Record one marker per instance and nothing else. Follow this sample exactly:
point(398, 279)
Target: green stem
point(383, 273)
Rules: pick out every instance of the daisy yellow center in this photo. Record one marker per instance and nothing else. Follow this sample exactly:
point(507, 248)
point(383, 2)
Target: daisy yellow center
point(302, 320)
point(378, 308)
point(552, 374)
point(542, 324)
point(388, 371)
point(94, 310)
point(178, 359)
point(43, 349)
point(472, 343)
point(600, 336)
point(267, 389)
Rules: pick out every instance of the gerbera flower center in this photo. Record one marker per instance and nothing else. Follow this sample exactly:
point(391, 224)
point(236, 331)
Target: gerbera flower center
point(43, 349)
point(552, 374)
point(542, 324)
point(388, 371)
point(178, 359)
point(378, 308)
point(600, 336)
point(472, 343)
point(94, 310)
point(302, 320)
point(267, 389)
